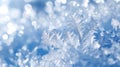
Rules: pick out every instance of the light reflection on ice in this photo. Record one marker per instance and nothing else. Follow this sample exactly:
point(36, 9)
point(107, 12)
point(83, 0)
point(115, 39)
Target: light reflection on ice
point(63, 34)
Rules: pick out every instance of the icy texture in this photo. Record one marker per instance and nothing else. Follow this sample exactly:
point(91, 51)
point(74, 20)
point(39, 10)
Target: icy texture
point(59, 33)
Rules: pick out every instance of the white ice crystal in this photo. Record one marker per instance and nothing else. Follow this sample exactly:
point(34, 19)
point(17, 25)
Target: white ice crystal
point(59, 33)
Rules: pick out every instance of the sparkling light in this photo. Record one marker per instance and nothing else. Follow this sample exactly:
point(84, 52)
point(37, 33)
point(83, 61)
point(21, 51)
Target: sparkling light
point(5, 36)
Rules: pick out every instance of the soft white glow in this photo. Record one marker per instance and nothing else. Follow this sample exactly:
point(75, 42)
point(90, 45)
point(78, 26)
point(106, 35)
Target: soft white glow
point(96, 45)
point(3, 10)
point(28, 9)
point(5, 36)
point(11, 28)
point(117, 1)
point(63, 1)
point(85, 3)
point(20, 33)
point(24, 48)
point(29, 12)
point(106, 51)
point(99, 1)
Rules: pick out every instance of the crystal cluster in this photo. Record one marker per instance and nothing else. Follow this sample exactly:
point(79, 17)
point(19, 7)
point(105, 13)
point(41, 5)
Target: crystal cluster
point(59, 33)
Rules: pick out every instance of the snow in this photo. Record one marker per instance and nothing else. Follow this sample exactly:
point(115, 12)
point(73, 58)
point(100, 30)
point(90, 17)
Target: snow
point(59, 33)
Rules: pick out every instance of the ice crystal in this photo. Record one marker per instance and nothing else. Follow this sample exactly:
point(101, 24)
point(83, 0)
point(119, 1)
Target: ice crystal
point(59, 33)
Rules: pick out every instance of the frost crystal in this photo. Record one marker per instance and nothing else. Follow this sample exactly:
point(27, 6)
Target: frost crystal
point(60, 33)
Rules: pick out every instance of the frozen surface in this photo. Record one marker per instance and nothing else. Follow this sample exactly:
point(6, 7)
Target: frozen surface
point(59, 33)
